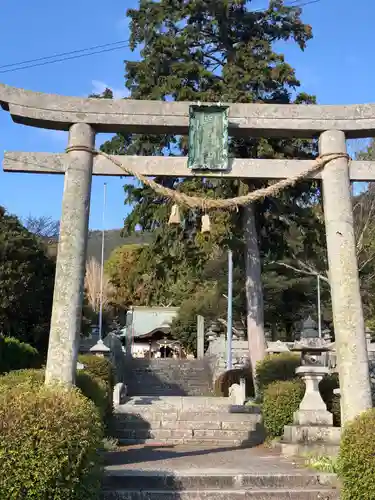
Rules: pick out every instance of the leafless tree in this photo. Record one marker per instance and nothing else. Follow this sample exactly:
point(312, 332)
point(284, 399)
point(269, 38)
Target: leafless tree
point(43, 226)
point(364, 230)
point(92, 286)
point(364, 226)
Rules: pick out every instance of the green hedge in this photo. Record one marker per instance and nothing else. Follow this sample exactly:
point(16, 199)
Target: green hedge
point(15, 355)
point(336, 410)
point(48, 443)
point(326, 387)
point(280, 400)
point(95, 389)
point(357, 458)
point(90, 386)
point(276, 367)
point(34, 377)
point(101, 369)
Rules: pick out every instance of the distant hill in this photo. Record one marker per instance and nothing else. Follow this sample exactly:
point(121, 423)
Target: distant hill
point(112, 240)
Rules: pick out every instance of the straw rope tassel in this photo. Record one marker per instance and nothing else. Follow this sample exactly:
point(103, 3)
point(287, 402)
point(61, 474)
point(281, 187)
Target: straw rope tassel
point(206, 224)
point(174, 218)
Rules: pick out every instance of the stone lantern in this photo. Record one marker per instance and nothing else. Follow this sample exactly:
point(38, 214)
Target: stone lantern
point(312, 429)
point(309, 329)
point(100, 349)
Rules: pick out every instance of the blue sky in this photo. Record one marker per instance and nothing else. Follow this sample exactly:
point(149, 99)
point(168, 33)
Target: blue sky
point(336, 67)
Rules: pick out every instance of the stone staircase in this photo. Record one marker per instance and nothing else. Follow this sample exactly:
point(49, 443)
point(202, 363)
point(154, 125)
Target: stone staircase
point(187, 419)
point(175, 442)
point(211, 474)
point(169, 377)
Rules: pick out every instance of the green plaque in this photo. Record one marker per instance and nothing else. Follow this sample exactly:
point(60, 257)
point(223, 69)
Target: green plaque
point(208, 137)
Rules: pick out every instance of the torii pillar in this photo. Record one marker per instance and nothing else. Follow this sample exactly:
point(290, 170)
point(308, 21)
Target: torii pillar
point(350, 337)
point(71, 259)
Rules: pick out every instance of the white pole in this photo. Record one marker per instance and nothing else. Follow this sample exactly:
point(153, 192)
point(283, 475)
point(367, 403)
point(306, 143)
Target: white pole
point(229, 310)
point(102, 266)
point(319, 307)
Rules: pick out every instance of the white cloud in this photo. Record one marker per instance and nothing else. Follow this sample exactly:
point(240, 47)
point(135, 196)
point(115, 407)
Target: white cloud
point(98, 87)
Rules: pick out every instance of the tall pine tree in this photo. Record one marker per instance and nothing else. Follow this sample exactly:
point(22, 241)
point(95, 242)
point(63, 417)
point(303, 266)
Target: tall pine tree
point(210, 51)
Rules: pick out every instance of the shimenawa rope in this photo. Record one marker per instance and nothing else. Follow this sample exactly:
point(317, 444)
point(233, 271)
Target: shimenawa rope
point(207, 204)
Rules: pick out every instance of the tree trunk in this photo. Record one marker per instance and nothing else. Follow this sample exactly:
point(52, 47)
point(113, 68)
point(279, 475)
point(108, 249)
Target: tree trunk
point(254, 292)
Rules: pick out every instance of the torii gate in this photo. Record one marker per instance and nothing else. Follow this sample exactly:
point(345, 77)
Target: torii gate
point(84, 118)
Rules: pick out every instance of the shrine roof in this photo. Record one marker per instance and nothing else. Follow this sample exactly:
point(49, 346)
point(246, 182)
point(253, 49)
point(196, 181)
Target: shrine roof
point(148, 320)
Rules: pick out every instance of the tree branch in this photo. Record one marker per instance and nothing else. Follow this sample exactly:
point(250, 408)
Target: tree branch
point(308, 272)
point(225, 323)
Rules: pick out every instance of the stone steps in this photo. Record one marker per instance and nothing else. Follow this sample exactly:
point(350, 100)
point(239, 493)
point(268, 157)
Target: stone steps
point(169, 377)
point(122, 484)
point(180, 437)
point(187, 420)
point(311, 494)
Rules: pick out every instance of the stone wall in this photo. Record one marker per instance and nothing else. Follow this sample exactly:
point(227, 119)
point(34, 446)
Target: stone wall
point(216, 354)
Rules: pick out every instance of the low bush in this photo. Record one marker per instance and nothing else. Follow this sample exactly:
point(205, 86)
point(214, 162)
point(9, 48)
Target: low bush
point(101, 369)
point(282, 366)
point(326, 387)
point(48, 443)
point(226, 379)
point(34, 377)
point(90, 386)
point(336, 410)
point(276, 367)
point(356, 462)
point(95, 389)
point(280, 400)
point(15, 355)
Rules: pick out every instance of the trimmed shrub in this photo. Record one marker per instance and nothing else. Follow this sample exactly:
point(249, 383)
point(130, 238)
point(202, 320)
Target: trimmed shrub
point(283, 366)
point(48, 444)
point(276, 367)
point(280, 400)
point(336, 410)
point(357, 458)
point(326, 387)
point(226, 379)
point(16, 355)
point(101, 369)
point(33, 377)
point(91, 387)
point(95, 389)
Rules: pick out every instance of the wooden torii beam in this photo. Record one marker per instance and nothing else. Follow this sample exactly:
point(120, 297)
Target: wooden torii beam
point(83, 118)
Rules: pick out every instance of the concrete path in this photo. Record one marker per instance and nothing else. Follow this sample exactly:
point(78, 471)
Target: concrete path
point(209, 458)
point(205, 472)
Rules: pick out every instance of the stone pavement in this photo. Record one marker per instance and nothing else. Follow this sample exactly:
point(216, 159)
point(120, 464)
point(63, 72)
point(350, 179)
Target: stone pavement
point(207, 472)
